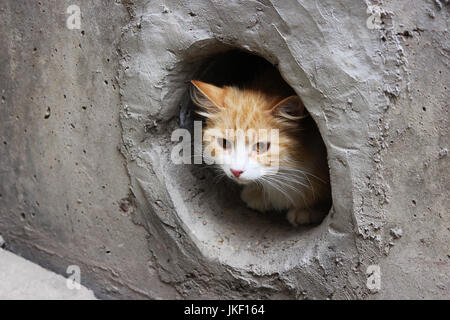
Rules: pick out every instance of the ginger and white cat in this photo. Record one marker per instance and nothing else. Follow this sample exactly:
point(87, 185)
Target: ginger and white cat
point(285, 171)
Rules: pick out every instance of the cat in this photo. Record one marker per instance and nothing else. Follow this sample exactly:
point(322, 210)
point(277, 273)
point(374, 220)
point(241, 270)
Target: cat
point(284, 171)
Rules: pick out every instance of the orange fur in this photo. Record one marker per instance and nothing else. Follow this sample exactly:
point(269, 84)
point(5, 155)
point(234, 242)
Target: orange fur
point(299, 147)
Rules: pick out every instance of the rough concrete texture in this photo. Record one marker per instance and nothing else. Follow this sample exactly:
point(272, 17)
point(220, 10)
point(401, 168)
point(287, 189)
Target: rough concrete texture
point(64, 190)
point(378, 93)
point(24, 280)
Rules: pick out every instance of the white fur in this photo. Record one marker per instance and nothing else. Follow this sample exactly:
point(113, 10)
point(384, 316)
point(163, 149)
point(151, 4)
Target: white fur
point(264, 189)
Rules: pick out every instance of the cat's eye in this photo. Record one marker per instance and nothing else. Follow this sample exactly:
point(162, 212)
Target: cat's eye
point(261, 147)
point(224, 143)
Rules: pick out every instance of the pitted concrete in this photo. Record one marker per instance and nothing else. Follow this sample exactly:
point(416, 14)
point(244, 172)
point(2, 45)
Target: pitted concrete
point(372, 74)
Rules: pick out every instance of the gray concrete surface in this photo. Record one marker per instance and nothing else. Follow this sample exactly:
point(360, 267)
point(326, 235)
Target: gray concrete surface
point(86, 119)
point(21, 279)
point(64, 191)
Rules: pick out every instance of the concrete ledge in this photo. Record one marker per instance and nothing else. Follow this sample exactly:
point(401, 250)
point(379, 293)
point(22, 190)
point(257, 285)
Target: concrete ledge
point(22, 279)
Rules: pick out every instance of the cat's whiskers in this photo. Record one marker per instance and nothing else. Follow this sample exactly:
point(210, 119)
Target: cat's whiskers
point(283, 183)
point(291, 178)
point(302, 172)
point(274, 185)
point(294, 171)
point(305, 175)
point(259, 183)
point(312, 187)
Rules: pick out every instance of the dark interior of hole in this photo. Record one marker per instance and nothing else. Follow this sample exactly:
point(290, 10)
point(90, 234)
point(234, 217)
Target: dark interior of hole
point(236, 68)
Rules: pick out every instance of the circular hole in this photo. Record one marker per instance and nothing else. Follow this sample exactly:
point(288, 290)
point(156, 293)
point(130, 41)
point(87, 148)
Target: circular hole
point(214, 211)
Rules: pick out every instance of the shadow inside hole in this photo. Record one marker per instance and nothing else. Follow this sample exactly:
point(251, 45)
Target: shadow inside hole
point(219, 199)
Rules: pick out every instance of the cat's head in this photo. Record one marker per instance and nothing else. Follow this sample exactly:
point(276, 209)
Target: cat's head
point(248, 134)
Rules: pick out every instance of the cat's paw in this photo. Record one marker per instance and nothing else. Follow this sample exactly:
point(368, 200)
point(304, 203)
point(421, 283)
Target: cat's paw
point(298, 217)
point(254, 198)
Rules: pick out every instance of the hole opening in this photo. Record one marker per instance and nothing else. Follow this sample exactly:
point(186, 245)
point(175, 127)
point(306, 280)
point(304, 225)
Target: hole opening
point(215, 214)
point(238, 68)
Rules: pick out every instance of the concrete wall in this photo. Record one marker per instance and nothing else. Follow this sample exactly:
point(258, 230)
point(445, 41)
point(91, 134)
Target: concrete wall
point(86, 123)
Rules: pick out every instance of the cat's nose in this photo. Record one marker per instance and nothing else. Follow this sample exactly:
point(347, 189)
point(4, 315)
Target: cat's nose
point(236, 173)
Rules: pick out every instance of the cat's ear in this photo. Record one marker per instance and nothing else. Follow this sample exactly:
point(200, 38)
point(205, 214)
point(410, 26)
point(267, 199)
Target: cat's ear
point(207, 96)
point(291, 108)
